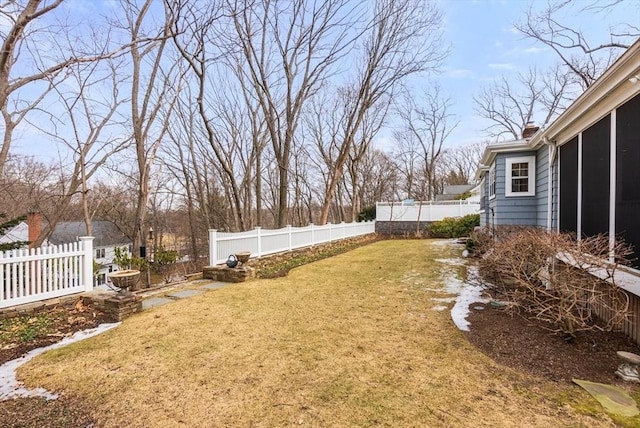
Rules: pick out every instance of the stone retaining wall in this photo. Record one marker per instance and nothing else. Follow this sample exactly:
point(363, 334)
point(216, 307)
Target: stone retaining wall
point(400, 227)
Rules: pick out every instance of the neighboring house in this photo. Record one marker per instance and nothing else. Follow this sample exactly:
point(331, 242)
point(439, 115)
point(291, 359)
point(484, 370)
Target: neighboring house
point(581, 174)
point(107, 237)
point(18, 233)
point(25, 231)
point(453, 192)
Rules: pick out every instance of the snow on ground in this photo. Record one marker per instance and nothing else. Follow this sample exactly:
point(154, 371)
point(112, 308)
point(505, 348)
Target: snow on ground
point(445, 242)
point(466, 292)
point(452, 262)
point(9, 385)
point(468, 295)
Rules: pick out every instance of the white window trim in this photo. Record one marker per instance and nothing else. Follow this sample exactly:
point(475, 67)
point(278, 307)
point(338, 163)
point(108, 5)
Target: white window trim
point(531, 160)
point(492, 171)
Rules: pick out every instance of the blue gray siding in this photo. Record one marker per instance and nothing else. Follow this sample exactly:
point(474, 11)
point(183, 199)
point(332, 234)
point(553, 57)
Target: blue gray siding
point(512, 211)
point(542, 183)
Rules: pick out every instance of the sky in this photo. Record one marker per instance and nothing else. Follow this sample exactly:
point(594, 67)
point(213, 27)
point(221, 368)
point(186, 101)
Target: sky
point(485, 46)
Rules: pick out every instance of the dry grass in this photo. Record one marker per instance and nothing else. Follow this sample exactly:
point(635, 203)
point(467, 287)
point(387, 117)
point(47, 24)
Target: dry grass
point(347, 341)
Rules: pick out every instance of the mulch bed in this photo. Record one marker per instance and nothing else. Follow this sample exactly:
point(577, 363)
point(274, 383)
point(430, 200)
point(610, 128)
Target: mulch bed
point(65, 412)
point(529, 346)
point(65, 321)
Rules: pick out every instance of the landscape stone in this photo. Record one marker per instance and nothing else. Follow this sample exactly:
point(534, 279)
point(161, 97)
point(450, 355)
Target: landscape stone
point(183, 294)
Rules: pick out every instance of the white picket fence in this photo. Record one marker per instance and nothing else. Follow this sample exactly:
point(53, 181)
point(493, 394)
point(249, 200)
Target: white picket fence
point(261, 242)
point(424, 211)
point(31, 275)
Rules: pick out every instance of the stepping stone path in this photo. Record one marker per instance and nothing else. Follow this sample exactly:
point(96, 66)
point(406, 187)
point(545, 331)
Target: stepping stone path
point(152, 302)
point(214, 285)
point(183, 294)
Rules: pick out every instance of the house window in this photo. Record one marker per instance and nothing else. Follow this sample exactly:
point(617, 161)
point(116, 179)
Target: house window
point(520, 176)
point(492, 182)
point(99, 253)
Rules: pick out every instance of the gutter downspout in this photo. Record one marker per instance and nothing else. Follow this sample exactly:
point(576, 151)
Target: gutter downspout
point(553, 150)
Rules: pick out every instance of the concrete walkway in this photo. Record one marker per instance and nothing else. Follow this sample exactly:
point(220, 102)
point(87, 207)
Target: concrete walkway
point(167, 295)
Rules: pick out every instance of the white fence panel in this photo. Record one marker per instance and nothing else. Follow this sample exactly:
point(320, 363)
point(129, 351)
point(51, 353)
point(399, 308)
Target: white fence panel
point(424, 211)
point(31, 275)
point(274, 241)
point(301, 236)
point(261, 242)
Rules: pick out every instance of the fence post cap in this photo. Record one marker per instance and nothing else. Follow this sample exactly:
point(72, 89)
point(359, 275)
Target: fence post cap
point(213, 230)
point(86, 238)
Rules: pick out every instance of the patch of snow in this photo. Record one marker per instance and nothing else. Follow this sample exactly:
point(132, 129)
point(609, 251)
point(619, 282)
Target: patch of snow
point(9, 386)
point(452, 262)
point(468, 295)
point(445, 242)
point(439, 308)
point(453, 285)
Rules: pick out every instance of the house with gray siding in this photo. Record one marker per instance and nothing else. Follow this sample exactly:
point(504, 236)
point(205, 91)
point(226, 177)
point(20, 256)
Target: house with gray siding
point(580, 174)
point(514, 181)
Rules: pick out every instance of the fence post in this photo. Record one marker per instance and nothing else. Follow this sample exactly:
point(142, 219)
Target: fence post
point(213, 246)
point(87, 262)
point(259, 238)
point(330, 226)
point(460, 208)
point(313, 238)
point(289, 234)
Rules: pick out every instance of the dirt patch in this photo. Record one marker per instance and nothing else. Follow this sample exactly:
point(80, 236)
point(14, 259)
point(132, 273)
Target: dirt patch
point(527, 345)
point(22, 334)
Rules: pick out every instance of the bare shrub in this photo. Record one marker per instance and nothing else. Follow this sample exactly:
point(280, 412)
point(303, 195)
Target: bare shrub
point(558, 279)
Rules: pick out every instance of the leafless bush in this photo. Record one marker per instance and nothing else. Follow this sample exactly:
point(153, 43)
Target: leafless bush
point(558, 279)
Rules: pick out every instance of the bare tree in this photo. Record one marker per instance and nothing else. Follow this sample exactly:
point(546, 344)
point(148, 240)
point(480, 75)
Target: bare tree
point(510, 104)
point(403, 39)
point(287, 50)
point(459, 164)
point(91, 100)
point(428, 123)
point(29, 66)
point(153, 95)
point(582, 57)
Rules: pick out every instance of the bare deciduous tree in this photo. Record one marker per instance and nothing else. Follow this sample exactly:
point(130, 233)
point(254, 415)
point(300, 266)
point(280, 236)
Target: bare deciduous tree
point(91, 99)
point(403, 39)
point(286, 52)
point(153, 95)
point(510, 104)
point(426, 125)
point(582, 57)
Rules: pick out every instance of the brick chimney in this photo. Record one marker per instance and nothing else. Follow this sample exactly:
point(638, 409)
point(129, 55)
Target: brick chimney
point(529, 130)
point(34, 221)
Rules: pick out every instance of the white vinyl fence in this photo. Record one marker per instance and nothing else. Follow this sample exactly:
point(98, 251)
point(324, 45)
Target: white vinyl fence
point(424, 211)
point(31, 275)
point(261, 242)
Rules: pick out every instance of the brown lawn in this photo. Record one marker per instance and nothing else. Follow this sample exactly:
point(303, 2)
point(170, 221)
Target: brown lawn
point(348, 341)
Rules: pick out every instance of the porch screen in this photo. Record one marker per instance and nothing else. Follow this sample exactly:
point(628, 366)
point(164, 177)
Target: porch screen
point(595, 178)
point(628, 174)
point(569, 186)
